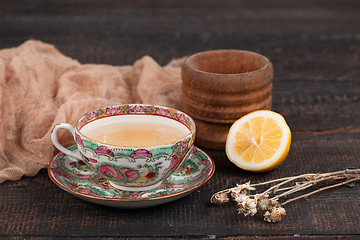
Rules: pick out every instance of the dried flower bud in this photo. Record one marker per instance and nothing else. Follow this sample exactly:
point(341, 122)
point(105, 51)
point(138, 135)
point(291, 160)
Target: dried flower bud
point(247, 205)
point(241, 189)
point(219, 198)
point(263, 203)
point(276, 215)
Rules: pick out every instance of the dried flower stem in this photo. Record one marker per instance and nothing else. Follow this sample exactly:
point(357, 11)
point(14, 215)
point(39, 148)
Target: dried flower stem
point(301, 187)
point(321, 189)
point(272, 210)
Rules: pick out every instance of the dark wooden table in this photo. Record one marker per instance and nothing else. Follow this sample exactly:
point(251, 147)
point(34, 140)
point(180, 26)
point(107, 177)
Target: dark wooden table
point(314, 46)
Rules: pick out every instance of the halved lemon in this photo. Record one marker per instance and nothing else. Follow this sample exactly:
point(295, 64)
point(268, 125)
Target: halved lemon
point(258, 141)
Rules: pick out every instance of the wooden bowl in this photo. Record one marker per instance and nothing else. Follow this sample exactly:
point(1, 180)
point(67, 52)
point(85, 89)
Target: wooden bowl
point(220, 86)
point(211, 135)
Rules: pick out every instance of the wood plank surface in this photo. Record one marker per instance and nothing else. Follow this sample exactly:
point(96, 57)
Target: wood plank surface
point(314, 46)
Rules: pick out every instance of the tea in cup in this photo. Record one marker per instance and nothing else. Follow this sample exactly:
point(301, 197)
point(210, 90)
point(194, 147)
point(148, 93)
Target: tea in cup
point(135, 147)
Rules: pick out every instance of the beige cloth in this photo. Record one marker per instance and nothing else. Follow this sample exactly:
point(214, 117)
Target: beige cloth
point(40, 87)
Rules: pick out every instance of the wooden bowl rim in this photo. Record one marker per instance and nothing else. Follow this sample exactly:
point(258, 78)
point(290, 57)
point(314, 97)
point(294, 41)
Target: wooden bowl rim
point(267, 61)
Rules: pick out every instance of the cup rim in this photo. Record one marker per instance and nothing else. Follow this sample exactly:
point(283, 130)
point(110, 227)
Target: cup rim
point(189, 135)
point(267, 63)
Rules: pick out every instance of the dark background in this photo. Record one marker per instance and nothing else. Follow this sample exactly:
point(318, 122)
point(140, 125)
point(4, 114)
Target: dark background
point(314, 46)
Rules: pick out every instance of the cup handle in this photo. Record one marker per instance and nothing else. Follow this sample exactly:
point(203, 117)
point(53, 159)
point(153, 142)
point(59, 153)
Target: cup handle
point(55, 140)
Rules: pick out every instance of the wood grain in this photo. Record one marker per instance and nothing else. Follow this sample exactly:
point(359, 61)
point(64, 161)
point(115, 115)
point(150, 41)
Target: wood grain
point(314, 48)
point(223, 85)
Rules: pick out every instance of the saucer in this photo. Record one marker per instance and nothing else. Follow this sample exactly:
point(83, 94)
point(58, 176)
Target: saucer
point(76, 178)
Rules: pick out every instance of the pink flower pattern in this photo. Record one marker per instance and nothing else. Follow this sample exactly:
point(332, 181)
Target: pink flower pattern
point(130, 174)
point(79, 140)
point(113, 111)
point(91, 115)
point(181, 117)
point(92, 160)
point(141, 152)
point(54, 164)
point(136, 108)
point(110, 171)
point(194, 150)
point(85, 191)
point(163, 112)
point(184, 143)
point(174, 161)
point(104, 150)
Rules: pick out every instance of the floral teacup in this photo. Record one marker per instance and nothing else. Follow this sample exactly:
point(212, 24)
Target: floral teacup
point(130, 168)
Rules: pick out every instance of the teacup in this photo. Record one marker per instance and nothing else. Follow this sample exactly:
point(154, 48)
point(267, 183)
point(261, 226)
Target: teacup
point(127, 166)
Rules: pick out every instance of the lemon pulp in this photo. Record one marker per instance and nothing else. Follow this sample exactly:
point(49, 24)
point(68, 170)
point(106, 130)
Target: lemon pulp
point(259, 141)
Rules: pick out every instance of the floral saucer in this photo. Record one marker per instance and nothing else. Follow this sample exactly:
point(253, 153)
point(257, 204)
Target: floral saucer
point(76, 178)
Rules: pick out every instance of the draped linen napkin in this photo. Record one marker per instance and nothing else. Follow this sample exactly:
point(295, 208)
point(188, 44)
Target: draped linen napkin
point(40, 87)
